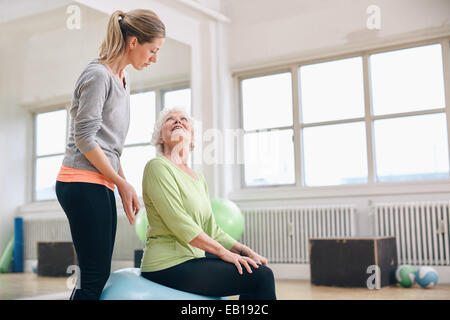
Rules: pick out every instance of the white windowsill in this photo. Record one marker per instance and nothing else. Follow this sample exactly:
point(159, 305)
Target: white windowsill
point(288, 193)
point(53, 208)
point(344, 191)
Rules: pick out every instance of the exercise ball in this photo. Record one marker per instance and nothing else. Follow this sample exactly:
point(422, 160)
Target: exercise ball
point(427, 277)
point(228, 217)
point(406, 275)
point(141, 225)
point(127, 284)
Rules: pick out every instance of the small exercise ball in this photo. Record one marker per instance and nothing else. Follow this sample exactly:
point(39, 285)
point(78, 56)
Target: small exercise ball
point(406, 275)
point(427, 277)
point(127, 284)
point(228, 217)
point(141, 225)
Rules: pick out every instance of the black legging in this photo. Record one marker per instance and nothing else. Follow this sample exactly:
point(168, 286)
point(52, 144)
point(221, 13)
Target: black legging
point(211, 276)
point(92, 214)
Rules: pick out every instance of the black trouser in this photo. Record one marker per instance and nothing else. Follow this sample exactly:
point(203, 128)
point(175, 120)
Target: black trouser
point(211, 276)
point(92, 214)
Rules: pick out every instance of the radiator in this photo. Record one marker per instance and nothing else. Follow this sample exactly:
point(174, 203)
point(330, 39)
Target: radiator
point(282, 234)
point(421, 230)
point(47, 227)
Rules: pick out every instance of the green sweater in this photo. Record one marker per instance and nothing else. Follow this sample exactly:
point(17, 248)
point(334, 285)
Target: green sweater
point(178, 210)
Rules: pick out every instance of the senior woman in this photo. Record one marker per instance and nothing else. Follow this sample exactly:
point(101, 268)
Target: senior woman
point(182, 225)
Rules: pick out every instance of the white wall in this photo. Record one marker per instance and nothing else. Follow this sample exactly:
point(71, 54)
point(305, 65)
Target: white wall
point(264, 31)
point(13, 132)
point(66, 52)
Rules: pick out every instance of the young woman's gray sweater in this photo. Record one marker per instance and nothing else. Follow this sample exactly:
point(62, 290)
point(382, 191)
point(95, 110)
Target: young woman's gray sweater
point(99, 116)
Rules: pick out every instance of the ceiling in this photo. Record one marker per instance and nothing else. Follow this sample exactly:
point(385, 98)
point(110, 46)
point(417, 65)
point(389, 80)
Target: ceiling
point(12, 10)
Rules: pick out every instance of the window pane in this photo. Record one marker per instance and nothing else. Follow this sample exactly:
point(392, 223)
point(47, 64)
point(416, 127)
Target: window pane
point(178, 98)
point(332, 90)
point(269, 158)
point(407, 80)
point(335, 154)
point(267, 101)
point(46, 171)
point(142, 117)
point(51, 132)
point(411, 148)
point(133, 162)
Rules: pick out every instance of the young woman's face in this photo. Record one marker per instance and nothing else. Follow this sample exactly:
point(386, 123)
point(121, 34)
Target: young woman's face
point(142, 55)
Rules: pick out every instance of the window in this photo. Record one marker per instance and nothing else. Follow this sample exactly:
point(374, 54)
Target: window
point(143, 112)
point(332, 90)
point(333, 154)
point(180, 97)
point(400, 102)
point(268, 130)
point(407, 80)
point(137, 150)
point(51, 140)
point(50, 143)
point(269, 158)
point(410, 147)
point(51, 129)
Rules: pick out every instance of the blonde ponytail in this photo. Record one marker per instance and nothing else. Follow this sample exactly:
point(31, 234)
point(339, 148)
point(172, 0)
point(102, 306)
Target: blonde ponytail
point(144, 24)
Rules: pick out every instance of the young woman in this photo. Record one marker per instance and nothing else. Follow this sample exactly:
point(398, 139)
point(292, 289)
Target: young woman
point(99, 121)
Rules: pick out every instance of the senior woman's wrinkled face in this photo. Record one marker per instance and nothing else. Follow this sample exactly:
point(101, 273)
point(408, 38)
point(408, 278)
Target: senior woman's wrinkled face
point(176, 128)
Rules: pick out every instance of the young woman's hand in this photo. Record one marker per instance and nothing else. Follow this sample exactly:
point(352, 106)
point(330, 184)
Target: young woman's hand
point(130, 200)
point(238, 261)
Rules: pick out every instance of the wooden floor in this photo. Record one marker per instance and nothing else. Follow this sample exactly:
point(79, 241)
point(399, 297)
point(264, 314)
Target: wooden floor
point(29, 285)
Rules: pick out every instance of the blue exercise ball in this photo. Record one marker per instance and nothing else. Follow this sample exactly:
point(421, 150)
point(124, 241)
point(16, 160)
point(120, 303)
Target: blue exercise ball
point(127, 284)
point(427, 277)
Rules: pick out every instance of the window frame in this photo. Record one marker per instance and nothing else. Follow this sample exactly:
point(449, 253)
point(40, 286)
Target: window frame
point(368, 117)
point(244, 132)
point(35, 111)
point(175, 87)
point(159, 103)
point(34, 156)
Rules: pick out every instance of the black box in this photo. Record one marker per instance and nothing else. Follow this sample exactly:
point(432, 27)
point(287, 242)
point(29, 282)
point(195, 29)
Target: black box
point(345, 262)
point(54, 258)
point(138, 257)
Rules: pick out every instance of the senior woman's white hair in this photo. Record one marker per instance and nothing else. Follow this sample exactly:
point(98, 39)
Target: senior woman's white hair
point(160, 122)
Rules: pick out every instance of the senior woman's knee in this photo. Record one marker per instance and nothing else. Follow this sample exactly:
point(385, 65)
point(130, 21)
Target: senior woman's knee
point(264, 275)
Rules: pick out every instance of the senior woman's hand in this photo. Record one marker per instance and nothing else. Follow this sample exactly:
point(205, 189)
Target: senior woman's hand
point(255, 257)
point(204, 242)
point(238, 261)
